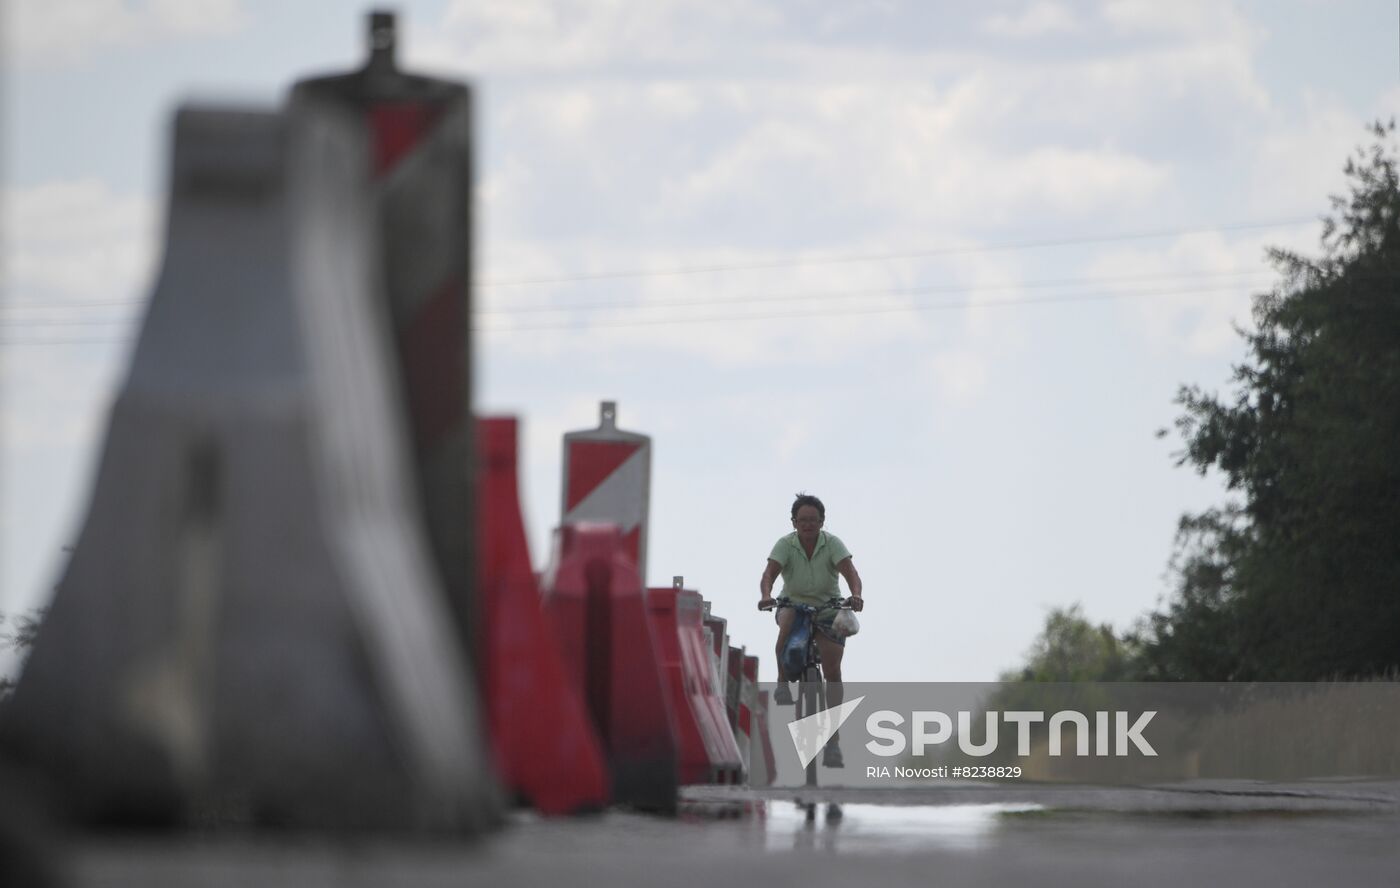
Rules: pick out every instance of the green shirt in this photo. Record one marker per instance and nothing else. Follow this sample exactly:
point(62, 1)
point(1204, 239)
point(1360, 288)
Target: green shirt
point(810, 580)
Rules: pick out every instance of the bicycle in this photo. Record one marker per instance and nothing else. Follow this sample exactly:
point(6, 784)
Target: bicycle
point(802, 662)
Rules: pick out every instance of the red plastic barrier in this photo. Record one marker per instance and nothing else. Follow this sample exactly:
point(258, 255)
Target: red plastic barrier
point(595, 597)
point(708, 751)
point(543, 740)
point(729, 766)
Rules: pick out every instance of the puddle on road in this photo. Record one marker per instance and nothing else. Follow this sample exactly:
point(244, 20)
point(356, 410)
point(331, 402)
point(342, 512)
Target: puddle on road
point(869, 828)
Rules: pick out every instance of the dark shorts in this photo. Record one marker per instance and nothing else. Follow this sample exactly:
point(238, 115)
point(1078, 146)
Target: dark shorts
point(822, 619)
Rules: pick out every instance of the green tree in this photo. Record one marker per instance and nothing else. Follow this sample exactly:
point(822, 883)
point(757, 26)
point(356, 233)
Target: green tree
point(7, 684)
point(19, 639)
point(1197, 636)
point(1070, 648)
point(1300, 578)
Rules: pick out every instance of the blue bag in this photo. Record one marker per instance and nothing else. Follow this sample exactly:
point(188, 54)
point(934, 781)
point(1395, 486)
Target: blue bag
point(795, 651)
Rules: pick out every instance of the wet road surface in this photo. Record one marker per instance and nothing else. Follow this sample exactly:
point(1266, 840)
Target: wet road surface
point(1337, 833)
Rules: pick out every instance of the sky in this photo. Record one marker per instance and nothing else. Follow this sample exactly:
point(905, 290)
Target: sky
point(944, 265)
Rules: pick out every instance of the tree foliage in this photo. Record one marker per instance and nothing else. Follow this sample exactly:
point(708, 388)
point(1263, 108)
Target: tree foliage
point(1298, 577)
point(1070, 648)
point(19, 638)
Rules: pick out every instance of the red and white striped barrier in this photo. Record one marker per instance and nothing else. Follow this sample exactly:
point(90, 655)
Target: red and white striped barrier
point(708, 752)
point(607, 478)
point(420, 136)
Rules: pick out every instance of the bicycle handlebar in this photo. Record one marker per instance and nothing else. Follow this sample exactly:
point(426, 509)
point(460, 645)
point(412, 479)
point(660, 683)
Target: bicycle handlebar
point(780, 603)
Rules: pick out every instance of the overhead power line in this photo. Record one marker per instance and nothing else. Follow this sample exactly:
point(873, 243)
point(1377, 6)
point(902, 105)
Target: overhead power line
point(106, 340)
point(818, 259)
point(888, 309)
point(806, 297)
point(787, 262)
point(819, 295)
point(713, 319)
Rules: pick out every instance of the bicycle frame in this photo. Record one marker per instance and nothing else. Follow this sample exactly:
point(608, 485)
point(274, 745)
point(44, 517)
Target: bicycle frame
point(811, 689)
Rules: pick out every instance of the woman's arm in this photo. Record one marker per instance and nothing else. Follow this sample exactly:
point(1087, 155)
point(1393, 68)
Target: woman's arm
point(765, 584)
point(847, 569)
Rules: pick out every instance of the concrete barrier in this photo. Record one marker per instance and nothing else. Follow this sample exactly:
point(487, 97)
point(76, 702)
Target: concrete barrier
point(595, 600)
point(719, 640)
point(763, 768)
point(250, 622)
point(419, 130)
point(739, 700)
point(733, 681)
point(747, 711)
point(542, 738)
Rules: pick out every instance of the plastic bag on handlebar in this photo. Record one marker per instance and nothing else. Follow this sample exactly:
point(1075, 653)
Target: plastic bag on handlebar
point(845, 624)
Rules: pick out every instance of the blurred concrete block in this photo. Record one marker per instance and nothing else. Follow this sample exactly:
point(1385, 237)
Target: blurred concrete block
point(419, 131)
point(250, 621)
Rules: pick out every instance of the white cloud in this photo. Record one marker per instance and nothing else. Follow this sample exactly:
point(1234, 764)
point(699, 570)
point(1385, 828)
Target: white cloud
point(841, 149)
point(77, 262)
point(789, 438)
point(1077, 180)
point(76, 240)
point(671, 100)
point(737, 318)
point(1196, 301)
point(569, 112)
point(1211, 19)
point(959, 375)
point(569, 34)
point(60, 32)
point(906, 152)
point(55, 398)
point(1299, 158)
point(1036, 20)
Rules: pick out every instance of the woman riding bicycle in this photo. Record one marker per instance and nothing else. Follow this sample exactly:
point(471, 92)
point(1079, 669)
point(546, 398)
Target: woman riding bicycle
point(809, 560)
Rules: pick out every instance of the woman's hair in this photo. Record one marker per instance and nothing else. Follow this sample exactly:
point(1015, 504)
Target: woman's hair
point(806, 499)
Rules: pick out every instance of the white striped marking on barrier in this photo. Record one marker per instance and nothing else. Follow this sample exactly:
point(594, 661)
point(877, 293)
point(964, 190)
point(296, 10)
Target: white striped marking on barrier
point(607, 477)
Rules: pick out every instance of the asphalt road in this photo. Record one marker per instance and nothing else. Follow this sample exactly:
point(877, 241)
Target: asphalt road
point(1335, 833)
